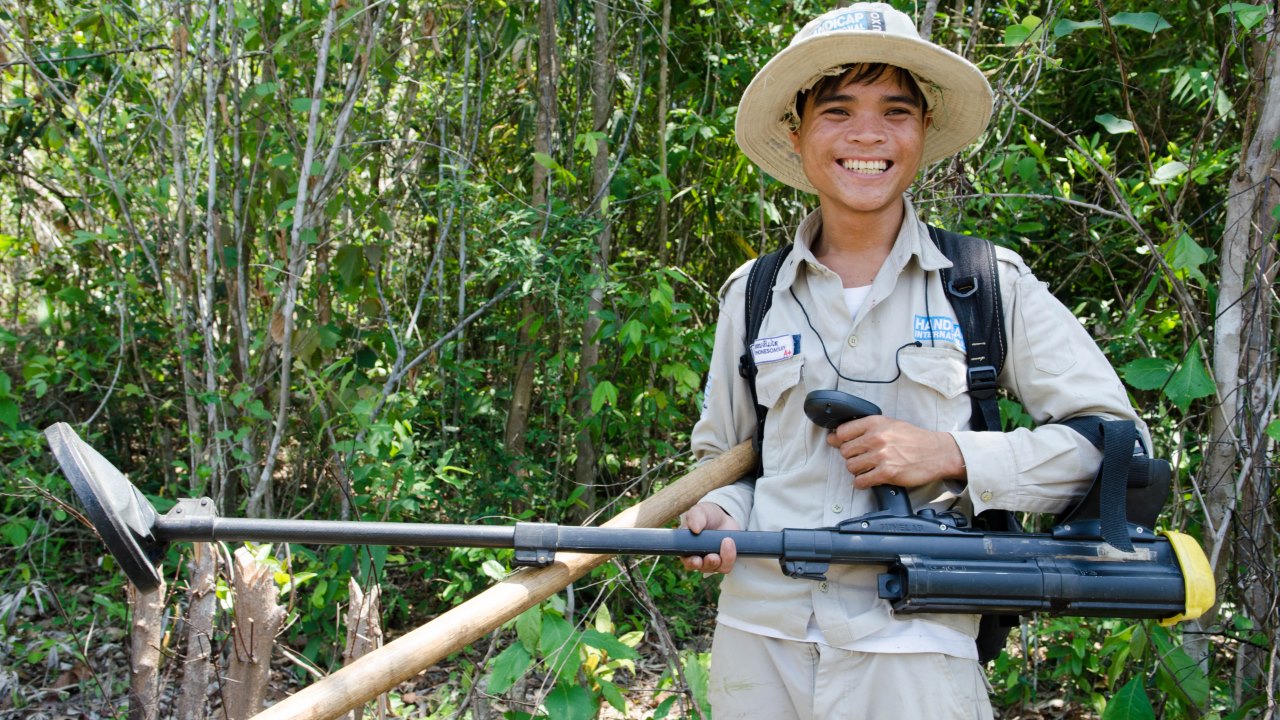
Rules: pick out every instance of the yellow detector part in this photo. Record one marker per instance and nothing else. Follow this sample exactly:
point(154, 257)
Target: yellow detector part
point(1197, 577)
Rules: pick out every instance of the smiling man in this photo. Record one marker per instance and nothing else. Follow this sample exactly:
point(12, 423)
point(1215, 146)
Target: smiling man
point(849, 112)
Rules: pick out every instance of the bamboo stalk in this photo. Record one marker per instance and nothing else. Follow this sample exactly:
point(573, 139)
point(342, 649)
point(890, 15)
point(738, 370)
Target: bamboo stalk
point(401, 659)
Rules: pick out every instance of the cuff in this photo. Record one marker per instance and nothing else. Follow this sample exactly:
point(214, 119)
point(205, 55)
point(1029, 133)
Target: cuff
point(990, 468)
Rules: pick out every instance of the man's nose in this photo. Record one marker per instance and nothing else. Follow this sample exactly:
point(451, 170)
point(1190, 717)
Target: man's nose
point(865, 128)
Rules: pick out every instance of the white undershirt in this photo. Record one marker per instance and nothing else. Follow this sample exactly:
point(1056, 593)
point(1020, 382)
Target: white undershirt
point(854, 297)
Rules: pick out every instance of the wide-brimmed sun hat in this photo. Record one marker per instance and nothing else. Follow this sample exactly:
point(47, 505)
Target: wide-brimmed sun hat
point(959, 96)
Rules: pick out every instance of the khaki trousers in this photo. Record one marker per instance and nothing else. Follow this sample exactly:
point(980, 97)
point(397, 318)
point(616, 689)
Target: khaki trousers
point(753, 676)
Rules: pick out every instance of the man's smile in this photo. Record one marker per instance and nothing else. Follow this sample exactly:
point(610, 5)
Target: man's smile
point(865, 167)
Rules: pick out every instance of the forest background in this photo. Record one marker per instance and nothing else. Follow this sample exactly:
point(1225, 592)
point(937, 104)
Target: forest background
point(458, 262)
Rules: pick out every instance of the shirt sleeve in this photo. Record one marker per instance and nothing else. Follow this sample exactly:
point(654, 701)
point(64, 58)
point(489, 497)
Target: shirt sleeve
point(1057, 372)
point(728, 415)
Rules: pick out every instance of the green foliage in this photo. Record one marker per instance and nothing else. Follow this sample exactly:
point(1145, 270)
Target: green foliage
point(147, 249)
point(580, 666)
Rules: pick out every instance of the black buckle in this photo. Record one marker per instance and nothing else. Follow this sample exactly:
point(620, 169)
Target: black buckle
point(963, 287)
point(747, 365)
point(982, 380)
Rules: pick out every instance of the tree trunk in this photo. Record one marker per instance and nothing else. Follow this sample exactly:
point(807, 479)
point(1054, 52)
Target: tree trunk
point(364, 635)
point(144, 657)
point(1237, 481)
point(194, 694)
point(584, 469)
point(522, 389)
point(258, 617)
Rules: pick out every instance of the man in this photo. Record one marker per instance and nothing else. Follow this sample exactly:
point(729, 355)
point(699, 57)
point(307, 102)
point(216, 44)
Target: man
point(849, 112)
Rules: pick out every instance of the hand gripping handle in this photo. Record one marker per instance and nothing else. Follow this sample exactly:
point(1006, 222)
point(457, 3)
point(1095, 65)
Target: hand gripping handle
point(831, 409)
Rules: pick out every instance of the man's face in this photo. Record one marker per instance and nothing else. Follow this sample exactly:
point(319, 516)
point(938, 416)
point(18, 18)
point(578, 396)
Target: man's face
point(860, 144)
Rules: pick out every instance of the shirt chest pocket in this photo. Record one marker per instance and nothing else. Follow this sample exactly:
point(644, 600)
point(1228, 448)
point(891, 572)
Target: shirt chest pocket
point(933, 392)
point(780, 389)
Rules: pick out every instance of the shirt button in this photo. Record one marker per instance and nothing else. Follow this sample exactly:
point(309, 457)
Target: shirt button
point(853, 341)
point(822, 586)
point(837, 509)
point(986, 496)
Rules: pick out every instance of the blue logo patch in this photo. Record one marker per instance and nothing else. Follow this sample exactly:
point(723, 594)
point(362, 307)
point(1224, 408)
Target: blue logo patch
point(853, 20)
point(934, 328)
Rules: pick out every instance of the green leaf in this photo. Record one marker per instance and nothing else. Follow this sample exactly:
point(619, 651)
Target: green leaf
point(1168, 172)
point(696, 673)
point(265, 89)
point(1113, 124)
point(1190, 381)
point(73, 295)
point(1186, 256)
point(614, 696)
point(350, 264)
point(1062, 28)
point(8, 413)
point(493, 570)
point(507, 668)
point(606, 393)
point(664, 707)
point(556, 633)
point(1246, 14)
point(1273, 430)
point(1029, 30)
point(529, 627)
point(1130, 703)
point(559, 645)
point(1147, 373)
point(1179, 675)
point(301, 104)
point(545, 161)
point(609, 644)
point(14, 533)
point(571, 702)
point(1147, 22)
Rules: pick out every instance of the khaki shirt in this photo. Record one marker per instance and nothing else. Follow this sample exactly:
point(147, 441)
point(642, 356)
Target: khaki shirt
point(1052, 366)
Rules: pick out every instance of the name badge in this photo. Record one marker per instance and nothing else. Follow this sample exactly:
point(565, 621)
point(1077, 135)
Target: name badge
point(932, 328)
point(773, 349)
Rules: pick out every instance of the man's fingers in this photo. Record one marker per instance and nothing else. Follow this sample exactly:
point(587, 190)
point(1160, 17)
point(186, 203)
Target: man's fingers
point(728, 554)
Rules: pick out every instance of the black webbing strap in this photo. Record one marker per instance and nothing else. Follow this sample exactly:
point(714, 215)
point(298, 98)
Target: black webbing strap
point(1117, 440)
point(760, 280)
point(973, 285)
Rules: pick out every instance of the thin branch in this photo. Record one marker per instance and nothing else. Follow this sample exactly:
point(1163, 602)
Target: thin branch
point(295, 262)
point(87, 56)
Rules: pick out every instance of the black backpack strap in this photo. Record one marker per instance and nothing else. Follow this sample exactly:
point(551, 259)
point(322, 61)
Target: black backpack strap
point(760, 281)
point(972, 284)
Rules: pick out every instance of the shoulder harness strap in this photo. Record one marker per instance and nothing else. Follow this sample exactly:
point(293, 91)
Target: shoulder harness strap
point(760, 281)
point(972, 284)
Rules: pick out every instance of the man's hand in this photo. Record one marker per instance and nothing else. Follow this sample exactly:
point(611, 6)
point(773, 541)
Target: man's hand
point(882, 451)
point(709, 516)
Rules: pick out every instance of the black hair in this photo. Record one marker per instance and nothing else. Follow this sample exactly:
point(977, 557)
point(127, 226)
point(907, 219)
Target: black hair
point(862, 74)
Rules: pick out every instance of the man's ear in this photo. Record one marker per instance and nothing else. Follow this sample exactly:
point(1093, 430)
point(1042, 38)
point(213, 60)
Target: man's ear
point(928, 120)
point(795, 140)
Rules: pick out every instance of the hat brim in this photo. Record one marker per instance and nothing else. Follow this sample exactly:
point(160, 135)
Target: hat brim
point(961, 98)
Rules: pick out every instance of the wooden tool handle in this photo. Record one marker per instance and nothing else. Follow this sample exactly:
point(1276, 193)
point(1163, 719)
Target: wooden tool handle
point(408, 655)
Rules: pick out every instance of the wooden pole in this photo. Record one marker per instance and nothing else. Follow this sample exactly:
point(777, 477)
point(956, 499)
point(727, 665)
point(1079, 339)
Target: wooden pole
point(401, 659)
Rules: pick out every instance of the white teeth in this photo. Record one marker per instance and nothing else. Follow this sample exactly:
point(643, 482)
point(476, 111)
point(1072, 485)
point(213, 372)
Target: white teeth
point(865, 166)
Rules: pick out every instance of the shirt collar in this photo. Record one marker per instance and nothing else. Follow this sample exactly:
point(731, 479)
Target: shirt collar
point(913, 241)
